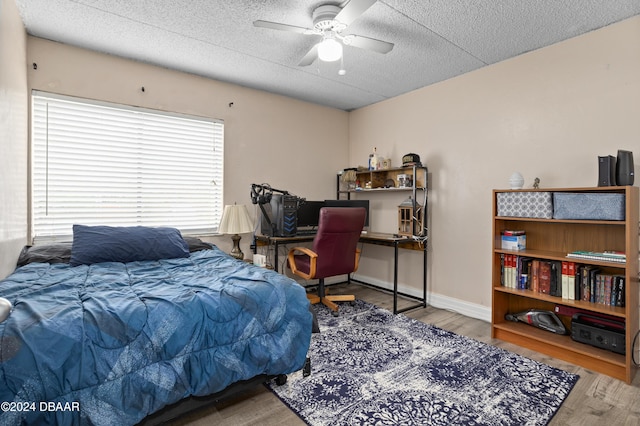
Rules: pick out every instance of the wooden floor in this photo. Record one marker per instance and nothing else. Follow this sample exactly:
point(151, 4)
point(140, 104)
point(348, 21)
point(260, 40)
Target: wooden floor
point(595, 400)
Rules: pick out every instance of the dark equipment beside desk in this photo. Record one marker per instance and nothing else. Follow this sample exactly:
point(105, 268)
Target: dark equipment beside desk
point(279, 216)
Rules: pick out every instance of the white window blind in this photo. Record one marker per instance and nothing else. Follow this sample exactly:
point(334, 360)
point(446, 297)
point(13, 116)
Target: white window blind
point(104, 164)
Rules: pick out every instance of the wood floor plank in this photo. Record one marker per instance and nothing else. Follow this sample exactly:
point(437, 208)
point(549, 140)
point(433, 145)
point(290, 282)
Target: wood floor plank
point(595, 400)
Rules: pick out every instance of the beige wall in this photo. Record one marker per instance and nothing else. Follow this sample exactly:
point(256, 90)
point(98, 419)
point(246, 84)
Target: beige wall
point(13, 136)
point(292, 145)
point(548, 114)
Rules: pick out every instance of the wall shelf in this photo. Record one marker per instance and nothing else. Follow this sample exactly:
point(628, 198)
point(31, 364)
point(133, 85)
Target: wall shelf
point(377, 180)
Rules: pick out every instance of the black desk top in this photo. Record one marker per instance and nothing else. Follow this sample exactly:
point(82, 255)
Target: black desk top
point(381, 238)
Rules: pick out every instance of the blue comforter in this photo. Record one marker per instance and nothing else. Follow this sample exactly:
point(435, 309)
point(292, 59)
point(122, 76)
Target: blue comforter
point(111, 342)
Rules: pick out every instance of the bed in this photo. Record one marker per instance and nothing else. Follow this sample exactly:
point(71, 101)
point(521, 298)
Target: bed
point(112, 328)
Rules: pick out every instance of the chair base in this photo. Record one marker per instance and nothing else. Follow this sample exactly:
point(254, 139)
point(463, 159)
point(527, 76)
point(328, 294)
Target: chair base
point(329, 300)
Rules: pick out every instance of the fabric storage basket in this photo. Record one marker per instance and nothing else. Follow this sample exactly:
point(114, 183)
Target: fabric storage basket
point(588, 206)
point(535, 204)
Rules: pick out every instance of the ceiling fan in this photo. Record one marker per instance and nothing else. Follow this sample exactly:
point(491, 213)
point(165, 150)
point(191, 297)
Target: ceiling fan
point(329, 21)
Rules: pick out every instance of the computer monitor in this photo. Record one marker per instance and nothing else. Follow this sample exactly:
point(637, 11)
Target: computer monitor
point(309, 214)
point(350, 203)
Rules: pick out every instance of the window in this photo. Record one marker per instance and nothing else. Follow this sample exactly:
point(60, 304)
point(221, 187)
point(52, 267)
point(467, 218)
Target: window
point(95, 163)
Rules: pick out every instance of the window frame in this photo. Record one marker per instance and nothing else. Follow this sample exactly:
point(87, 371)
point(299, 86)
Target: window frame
point(179, 149)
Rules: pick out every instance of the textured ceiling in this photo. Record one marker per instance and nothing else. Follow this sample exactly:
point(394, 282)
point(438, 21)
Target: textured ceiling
point(434, 39)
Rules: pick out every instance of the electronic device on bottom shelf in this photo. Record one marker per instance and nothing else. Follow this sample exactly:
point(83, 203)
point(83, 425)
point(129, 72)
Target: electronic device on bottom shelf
point(599, 332)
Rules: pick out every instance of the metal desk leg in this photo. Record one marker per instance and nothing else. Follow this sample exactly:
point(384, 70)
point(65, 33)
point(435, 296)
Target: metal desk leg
point(395, 277)
point(275, 256)
point(424, 276)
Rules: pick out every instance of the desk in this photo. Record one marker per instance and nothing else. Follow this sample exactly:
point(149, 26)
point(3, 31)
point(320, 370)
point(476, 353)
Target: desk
point(377, 238)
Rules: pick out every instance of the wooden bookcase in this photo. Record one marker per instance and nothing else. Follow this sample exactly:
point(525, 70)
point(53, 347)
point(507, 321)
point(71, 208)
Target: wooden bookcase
point(552, 239)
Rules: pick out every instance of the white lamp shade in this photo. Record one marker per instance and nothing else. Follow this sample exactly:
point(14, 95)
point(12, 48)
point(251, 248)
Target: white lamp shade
point(329, 50)
point(235, 220)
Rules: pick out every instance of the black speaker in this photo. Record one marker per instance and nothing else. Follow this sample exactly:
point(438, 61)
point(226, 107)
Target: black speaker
point(624, 168)
point(607, 170)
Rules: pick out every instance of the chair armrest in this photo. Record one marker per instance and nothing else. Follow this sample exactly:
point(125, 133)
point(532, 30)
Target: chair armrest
point(357, 260)
point(313, 256)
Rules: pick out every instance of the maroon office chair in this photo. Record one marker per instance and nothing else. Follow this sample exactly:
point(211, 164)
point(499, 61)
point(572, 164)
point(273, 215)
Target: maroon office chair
point(334, 251)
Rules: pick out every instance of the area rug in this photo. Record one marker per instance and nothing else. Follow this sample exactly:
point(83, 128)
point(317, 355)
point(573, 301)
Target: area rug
point(371, 367)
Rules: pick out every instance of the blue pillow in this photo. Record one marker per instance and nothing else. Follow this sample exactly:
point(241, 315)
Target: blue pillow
point(95, 244)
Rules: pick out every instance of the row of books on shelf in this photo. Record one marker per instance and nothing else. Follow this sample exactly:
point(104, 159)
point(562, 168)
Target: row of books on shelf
point(565, 279)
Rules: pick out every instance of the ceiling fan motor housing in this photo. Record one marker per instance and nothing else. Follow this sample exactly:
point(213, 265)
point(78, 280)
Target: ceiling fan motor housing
point(323, 18)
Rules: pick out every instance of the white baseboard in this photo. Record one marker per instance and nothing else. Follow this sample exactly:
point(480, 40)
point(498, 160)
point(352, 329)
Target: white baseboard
point(472, 310)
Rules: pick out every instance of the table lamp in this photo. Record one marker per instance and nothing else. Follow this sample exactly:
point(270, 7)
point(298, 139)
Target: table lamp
point(235, 220)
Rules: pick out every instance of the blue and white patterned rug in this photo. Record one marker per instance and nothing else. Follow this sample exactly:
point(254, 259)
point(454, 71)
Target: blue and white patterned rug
point(370, 367)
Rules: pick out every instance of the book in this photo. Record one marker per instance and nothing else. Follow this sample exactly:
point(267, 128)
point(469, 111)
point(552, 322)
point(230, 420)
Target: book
point(608, 280)
point(571, 278)
point(607, 256)
point(578, 283)
point(514, 271)
point(593, 284)
point(618, 287)
point(565, 280)
point(586, 285)
point(525, 273)
point(508, 270)
point(599, 290)
point(556, 282)
point(544, 277)
point(535, 268)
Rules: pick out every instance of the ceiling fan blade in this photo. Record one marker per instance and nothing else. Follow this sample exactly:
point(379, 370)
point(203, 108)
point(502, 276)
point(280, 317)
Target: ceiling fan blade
point(311, 56)
point(368, 43)
point(352, 10)
point(282, 27)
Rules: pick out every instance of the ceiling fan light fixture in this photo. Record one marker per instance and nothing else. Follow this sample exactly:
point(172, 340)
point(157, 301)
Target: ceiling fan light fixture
point(329, 50)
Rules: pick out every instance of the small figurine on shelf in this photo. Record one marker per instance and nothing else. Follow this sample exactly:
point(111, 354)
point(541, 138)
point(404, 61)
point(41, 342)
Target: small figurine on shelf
point(536, 183)
point(374, 160)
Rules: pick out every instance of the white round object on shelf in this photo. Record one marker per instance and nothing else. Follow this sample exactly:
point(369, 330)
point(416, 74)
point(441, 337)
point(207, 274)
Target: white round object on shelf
point(516, 181)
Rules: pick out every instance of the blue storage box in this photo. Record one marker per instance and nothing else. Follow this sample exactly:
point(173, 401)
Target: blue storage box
point(588, 206)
